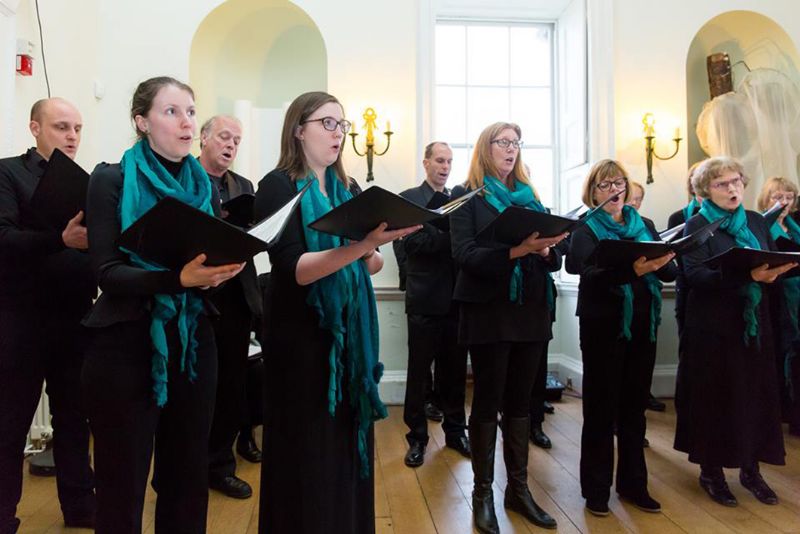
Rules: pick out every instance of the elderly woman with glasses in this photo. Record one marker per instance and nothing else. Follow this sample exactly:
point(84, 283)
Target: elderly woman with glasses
point(732, 414)
point(619, 311)
point(781, 190)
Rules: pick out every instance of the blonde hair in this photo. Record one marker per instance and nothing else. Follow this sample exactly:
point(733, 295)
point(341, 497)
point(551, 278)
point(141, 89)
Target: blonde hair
point(692, 169)
point(482, 163)
point(714, 168)
point(602, 170)
point(776, 183)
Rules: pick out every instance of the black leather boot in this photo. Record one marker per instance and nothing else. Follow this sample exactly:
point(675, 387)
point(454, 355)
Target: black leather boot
point(515, 452)
point(482, 437)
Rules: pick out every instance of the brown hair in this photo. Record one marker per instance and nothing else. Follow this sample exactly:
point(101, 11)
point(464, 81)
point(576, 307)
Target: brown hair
point(689, 188)
point(714, 168)
point(429, 148)
point(634, 183)
point(602, 170)
point(776, 183)
point(482, 163)
point(146, 92)
point(293, 160)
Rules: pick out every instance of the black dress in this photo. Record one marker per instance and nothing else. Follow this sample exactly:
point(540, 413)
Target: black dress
point(731, 412)
point(310, 479)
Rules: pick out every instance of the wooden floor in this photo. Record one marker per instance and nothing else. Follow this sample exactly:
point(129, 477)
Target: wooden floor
point(436, 497)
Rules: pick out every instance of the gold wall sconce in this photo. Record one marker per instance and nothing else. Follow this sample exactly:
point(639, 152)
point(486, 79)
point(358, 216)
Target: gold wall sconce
point(370, 117)
point(649, 122)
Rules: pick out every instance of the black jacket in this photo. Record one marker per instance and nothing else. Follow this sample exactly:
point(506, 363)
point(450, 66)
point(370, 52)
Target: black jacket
point(127, 291)
point(248, 278)
point(598, 291)
point(429, 266)
point(34, 262)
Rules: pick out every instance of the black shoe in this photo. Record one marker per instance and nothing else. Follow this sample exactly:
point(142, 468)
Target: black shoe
point(753, 481)
point(460, 444)
point(643, 501)
point(232, 487)
point(549, 408)
point(718, 490)
point(433, 412)
point(516, 431)
point(79, 520)
point(598, 507)
point(415, 456)
point(646, 443)
point(539, 438)
point(482, 439)
point(655, 405)
point(246, 448)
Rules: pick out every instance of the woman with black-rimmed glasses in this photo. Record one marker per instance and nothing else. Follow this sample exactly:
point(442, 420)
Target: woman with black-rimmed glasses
point(619, 311)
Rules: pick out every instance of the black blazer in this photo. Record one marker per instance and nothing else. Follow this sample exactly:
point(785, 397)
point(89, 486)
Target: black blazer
point(429, 266)
point(598, 291)
point(34, 262)
point(127, 291)
point(484, 267)
point(248, 278)
point(677, 218)
point(714, 303)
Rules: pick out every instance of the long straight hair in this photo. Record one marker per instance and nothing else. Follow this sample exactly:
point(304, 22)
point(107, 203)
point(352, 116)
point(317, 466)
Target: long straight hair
point(293, 160)
point(482, 163)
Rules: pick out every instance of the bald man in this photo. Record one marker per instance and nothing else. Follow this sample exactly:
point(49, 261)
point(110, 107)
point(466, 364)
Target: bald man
point(46, 286)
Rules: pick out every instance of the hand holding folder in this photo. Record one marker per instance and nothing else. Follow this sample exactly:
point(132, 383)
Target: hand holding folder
point(740, 261)
point(613, 253)
point(363, 213)
point(172, 234)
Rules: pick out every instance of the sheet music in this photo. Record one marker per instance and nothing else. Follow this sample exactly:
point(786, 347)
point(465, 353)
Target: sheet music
point(270, 228)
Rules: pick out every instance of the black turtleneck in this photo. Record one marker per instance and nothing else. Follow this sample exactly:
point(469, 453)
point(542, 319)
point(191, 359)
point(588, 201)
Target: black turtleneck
point(173, 167)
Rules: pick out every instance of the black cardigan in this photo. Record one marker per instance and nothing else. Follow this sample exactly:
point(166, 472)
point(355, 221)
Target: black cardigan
point(127, 291)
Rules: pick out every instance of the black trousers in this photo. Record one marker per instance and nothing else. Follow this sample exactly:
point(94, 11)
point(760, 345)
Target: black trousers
point(129, 427)
point(434, 338)
point(232, 334)
point(503, 376)
point(539, 389)
point(616, 385)
point(35, 346)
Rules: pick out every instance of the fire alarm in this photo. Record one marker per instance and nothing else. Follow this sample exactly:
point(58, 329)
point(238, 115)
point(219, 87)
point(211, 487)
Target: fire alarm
point(24, 57)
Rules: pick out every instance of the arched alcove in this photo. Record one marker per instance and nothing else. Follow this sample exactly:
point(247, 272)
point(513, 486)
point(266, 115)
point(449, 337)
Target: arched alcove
point(250, 58)
point(745, 36)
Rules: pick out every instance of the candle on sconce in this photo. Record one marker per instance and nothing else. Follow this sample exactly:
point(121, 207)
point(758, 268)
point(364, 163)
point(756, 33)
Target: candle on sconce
point(388, 126)
point(677, 133)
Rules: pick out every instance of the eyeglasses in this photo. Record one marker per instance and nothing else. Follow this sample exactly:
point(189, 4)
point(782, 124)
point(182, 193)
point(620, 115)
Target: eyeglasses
point(722, 186)
point(330, 124)
point(786, 198)
point(606, 185)
point(505, 143)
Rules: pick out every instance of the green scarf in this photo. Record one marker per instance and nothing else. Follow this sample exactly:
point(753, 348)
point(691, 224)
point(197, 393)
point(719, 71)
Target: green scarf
point(735, 225)
point(791, 291)
point(145, 181)
point(500, 197)
point(605, 227)
point(690, 208)
point(345, 304)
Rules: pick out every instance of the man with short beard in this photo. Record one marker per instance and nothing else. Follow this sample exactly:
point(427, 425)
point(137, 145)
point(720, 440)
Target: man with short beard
point(46, 286)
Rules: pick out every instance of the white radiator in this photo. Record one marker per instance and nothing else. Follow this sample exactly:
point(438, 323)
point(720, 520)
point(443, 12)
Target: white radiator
point(41, 430)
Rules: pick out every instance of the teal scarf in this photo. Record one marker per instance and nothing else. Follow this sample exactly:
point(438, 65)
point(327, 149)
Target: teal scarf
point(605, 227)
point(500, 197)
point(735, 225)
point(791, 291)
point(145, 181)
point(688, 211)
point(345, 304)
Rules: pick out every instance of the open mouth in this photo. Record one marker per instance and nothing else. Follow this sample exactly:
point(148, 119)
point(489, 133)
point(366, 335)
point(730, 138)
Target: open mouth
point(336, 147)
point(186, 138)
point(444, 175)
point(226, 155)
point(510, 161)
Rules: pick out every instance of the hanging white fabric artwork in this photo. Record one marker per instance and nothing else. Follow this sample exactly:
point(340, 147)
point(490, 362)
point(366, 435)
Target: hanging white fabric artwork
point(759, 125)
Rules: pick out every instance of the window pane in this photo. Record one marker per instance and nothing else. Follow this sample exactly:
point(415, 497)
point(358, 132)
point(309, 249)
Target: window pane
point(531, 109)
point(451, 58)
point(540, 162)
point(458, 172)
point(487, 55)
point(530, 55)
point(451, 120)
point(485, 106)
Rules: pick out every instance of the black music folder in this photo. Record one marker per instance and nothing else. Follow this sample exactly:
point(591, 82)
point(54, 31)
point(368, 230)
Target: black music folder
point(741, 261)
point(437, 201)
point(239, 210)
point(173, 233)
point(772, 214)
point(611, 253)
point(517, 223)
point(61, 192)
point(360, 215)
point(786, 245)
